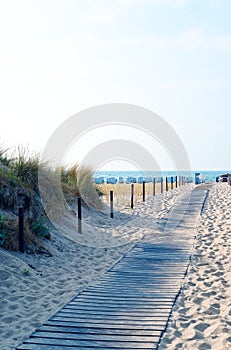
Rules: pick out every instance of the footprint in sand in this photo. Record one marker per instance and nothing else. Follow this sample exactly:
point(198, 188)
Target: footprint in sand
point(201, 327)
point(198, 301)
point(4, 275)
point(205, 346)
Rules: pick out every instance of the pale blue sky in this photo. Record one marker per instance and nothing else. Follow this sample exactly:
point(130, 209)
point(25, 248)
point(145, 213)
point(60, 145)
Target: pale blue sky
point(171, 56)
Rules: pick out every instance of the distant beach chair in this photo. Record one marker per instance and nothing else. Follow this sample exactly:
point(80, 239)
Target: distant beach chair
point(140, 180)
point(99, 180)
point(131, 180)
point(111, 180)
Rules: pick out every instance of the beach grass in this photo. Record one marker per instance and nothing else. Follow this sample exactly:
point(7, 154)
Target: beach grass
point(19, 186)
point(122, 192)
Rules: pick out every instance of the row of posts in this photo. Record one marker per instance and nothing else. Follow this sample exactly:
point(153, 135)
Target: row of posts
point(178, 182)
point(181, 181)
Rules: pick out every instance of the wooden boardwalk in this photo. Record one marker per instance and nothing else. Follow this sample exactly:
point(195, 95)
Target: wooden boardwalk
point(130, 306)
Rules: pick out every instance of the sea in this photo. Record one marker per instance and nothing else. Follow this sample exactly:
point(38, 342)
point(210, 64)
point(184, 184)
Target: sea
point(209, 175)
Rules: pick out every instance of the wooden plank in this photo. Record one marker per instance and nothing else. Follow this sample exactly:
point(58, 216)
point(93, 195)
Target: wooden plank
point(100, 344)
point(158, 316)
point(116, 312)
point(135, 289)
point(164, 274)
point(115, 337)
point(134, 325)
point(92, 305)
point(125, 277)
point(30, 346)
point(151, 281)
point(102, 306)
point(130, 293)
point(144, 267)
point(121, 299)
point(133, 286)
point(99, 330)
point(113, 321)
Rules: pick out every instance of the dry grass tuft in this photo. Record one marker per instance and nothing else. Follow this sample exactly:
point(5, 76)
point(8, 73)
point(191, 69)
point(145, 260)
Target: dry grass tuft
point(87, 190)
point(25, 167)
point(122, 192)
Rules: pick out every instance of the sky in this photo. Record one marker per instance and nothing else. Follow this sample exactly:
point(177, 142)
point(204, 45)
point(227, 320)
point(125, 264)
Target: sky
point(59, 57)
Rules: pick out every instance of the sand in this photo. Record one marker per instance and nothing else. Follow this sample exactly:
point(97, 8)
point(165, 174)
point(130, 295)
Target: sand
point(201, 318)
point(34, 287)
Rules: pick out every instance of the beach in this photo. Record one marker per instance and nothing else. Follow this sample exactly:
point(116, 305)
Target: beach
point(34, 287)
point(201, 317)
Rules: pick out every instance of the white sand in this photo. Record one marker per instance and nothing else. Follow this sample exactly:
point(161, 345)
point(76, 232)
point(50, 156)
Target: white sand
point(201, 317)
point(27, 300)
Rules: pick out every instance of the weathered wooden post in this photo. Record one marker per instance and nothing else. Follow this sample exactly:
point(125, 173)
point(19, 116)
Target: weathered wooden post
point(111, 204)
point(166, 184)
point(171, 182)
point(154, 186)
point(161, 185)
point(143, 191)
point(132, 196)
point(79, 215)
point(176, 182)
point(21, 229)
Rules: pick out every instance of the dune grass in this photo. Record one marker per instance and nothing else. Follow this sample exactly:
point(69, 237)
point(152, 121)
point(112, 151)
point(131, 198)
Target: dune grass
point(19, 169)
point(24, 165)
point(122, 192)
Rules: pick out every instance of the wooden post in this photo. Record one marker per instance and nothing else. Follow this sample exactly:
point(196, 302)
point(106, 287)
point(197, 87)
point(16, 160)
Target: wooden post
point(79, 215)
point(176, 182)
point(166, 184)
point(132, 196)
point(154, 187)
point(143, 191)
point(179, 181)
point(171, 182)
point(21, 229)
point(161, 185)
point(111, 204)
